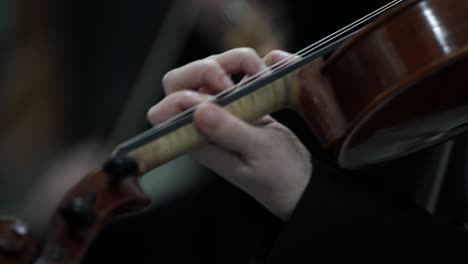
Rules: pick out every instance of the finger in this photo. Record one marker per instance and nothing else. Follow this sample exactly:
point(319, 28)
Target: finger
point(213, 72)
point(225, 130)
point(174, 104)
point(277, 56)
point(271, 59)
point(245, 60)
point(219, 160)
point(266, 120)
point(202, 73)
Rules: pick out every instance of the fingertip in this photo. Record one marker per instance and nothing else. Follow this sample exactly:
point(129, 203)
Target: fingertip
point(174, 104)
point(280, 54)
point(150, 115)
point(190, 98)
point(276, 56)
point(225, 82)
point(255, 66)
point(208, 116)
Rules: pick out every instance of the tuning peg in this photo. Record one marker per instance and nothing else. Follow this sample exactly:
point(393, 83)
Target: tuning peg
point(79, 212)
point(119, 168)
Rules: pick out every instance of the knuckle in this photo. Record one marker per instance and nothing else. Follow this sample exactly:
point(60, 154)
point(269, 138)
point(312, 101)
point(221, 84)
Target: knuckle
point(187, 98)
point(244, 171)
point(280, 52)
point(211, 70)
point(177, 97)
point(247, 51)
point(208, 66)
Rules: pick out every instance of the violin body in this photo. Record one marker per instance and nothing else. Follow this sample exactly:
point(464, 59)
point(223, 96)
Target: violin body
point(396, 87)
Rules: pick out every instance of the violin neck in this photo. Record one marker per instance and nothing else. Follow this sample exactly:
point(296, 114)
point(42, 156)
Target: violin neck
point(151, 150)
point(162, 144)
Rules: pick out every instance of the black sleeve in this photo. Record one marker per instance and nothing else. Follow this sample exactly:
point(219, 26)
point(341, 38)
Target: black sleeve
point(336, 221)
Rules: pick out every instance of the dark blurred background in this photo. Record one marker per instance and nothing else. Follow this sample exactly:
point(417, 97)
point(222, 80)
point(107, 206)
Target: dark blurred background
point(77, 78)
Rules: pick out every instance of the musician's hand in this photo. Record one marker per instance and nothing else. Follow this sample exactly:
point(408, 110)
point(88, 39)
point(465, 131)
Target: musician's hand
point(265, 159)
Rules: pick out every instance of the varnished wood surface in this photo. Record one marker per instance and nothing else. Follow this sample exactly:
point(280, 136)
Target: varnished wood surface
point(16, 244)
point(400, 85)
point(67, 243)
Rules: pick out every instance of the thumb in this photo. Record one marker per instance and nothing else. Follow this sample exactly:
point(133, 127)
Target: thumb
point(227, 131)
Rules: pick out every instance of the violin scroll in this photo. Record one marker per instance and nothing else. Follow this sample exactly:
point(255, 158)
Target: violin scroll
point(87, 207)
point(16, 244)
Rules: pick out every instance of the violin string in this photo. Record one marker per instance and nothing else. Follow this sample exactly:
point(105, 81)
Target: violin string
point(277, 66)
point(283, 63)
point(324, 41)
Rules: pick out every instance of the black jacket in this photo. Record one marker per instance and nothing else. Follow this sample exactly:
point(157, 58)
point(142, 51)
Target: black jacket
point(336, 220)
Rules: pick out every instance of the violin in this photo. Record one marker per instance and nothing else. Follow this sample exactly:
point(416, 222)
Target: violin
point(391, 88)
point(16, 244)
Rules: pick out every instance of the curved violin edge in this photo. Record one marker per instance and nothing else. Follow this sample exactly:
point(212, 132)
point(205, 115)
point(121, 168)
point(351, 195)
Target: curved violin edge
point(317, 102)
point(401, 82)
